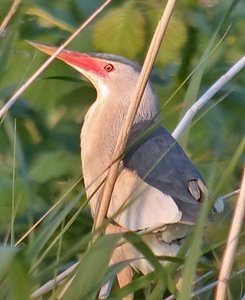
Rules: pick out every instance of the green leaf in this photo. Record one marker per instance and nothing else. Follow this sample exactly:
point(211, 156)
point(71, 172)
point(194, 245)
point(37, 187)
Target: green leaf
point(68, 78)
point(120, 31)
point(14, 271)
point(6, 196)
point(195, 82)
point(140, 245)
point(7, 255)
point(135, 285)
point(230, 168)
point(173, 42)
point(19, 280)
point(92, 269)
point(52, 222)
point(52, 165)
point(53, 16)
point(160, 272)
point(194, 253)
point(86, 7)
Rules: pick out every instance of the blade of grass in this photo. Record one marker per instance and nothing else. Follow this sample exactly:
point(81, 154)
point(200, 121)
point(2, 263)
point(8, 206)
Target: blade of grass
point(18, 278)
point(135, 285)
point(48, 286)
point(196, 240)
point(194, 253)
point(57, 238)
point(13, 187)
point(57, 261)
point(50, 17)
point(6, 256)
point(230, 168)
point(55, 206)
point(19, 161)
point(81, 245)
point(87, 280)
point(139, 244)
point(157, 292)
point(212, 106)
point(52, 223)
point(205, 288)
point(195, 69)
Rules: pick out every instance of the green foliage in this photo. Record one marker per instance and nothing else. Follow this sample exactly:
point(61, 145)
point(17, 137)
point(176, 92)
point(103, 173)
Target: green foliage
point(58, 165)
point(40, 152)
point(13, 263)
point(97, 256)
point(119, 31)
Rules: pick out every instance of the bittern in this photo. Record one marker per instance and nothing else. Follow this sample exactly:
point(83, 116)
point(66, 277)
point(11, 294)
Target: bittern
point(157, 186)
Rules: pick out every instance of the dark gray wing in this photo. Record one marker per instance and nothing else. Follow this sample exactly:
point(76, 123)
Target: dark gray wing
point(160, 161)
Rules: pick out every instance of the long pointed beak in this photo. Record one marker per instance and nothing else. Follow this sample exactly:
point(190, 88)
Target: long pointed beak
point(44, 48)
point(82, 62)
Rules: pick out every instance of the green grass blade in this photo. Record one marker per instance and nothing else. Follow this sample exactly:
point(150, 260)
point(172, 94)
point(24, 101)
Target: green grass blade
point(92, 269)
point(194, 254)
point(18, 279)
point(195, 82)
point(50, 226)
point(195, 250)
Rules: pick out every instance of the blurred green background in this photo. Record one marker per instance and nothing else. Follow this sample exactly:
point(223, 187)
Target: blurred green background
point(39, 137)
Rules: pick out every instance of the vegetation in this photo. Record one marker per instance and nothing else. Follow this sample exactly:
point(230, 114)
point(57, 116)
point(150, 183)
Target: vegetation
point(39, 141)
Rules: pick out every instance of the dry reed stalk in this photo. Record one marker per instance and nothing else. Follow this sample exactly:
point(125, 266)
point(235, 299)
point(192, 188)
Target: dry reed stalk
point(231, 245)
point(9, 15)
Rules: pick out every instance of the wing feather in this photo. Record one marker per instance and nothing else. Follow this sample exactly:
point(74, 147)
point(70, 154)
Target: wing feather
point(136, 205)
point(162, 164)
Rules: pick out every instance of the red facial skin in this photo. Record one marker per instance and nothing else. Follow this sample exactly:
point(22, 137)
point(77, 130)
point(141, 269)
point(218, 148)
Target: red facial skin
point(81, 60)
point(84, 62)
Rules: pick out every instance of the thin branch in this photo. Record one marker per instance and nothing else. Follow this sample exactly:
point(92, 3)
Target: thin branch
point(228, 196)
point(219, 202)
point(132, 110)
point(231, 246)
point(17, 94)
point(197, 292)
point(9, 15)
point(50, 284)
point(186, 120)
point(205, 288)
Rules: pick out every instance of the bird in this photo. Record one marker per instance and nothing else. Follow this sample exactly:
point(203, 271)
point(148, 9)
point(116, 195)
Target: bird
point(157, 187)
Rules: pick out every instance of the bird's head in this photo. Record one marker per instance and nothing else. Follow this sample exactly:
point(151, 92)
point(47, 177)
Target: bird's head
point(103, 70)
point(113, 76)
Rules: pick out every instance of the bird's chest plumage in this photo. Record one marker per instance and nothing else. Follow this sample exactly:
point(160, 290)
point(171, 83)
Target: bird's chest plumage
point(99, 134)
point(98, 138)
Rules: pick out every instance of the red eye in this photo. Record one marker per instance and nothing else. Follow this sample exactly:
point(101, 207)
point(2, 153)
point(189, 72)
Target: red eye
point(109, 68)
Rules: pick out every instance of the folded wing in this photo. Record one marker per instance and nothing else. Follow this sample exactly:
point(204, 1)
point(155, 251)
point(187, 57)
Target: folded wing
point(158, 184)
